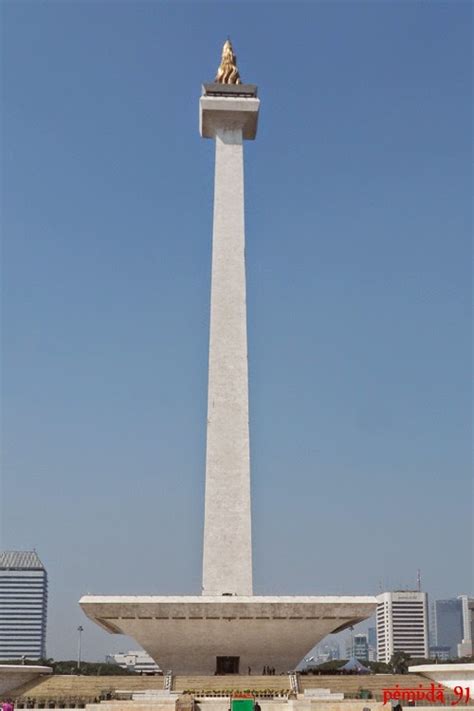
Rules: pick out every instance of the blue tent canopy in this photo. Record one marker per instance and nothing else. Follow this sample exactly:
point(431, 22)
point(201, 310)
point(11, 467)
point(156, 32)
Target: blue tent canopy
point(353, 665)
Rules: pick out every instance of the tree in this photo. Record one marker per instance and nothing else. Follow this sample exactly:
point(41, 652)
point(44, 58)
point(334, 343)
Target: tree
point(399, 663)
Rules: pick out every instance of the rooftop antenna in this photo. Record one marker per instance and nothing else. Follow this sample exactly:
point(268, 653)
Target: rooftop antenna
point(418, 580)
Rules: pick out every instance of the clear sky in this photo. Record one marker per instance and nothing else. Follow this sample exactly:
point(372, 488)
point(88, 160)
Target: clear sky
point(358, 197)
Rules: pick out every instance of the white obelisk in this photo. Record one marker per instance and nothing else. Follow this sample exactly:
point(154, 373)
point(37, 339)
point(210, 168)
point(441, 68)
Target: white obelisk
point(228, 114)
point(211, 634)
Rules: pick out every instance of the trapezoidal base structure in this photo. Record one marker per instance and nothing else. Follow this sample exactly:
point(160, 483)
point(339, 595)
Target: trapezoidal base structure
point(209, 635)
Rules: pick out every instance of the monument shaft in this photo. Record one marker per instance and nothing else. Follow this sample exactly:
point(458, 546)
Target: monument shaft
point(227, 559)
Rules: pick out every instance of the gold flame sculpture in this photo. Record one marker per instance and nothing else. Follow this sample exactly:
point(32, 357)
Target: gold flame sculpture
point(228, 72)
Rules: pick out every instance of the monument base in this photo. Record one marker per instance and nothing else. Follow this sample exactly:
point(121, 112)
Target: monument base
point(209, 635)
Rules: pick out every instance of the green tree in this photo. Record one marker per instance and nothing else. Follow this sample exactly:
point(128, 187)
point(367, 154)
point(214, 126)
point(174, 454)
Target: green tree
point(399, 663)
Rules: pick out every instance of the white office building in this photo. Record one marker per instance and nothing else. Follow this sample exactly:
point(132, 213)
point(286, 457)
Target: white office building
point(23, 605)
point(139, 662)
point(465, 648)
point(402, 624)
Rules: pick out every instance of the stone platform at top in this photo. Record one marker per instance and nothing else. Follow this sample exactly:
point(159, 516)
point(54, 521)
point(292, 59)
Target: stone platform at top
point(230, 90)
point(229, 107)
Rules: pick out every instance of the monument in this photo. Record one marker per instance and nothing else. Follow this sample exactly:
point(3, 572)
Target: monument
point(227, 628)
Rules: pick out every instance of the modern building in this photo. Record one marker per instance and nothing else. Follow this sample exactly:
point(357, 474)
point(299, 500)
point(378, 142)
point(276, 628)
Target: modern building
point(465, 649)
point(227, 628)
point(441, 652)
point(432, 636)
point(453, 624)
point(23, 605)
point(358, 646)
point(372, 639)
point(136, 661)
point(372, 636)
point(467, 604)
point(402, 624)
point(324, 653)
point(449, 624)
point(372, 654)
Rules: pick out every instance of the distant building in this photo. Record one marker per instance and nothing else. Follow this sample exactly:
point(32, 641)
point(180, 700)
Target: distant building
point(323, 653)
point(372, 636)
point(440, 653)
point(23, 605)
point(433, 638)
point(465, 648)
point(372, 654)
point(358, 647)
point(372, 639)
point(402, 624)
point(453, 623)
point(449, 624)
point(139, 662)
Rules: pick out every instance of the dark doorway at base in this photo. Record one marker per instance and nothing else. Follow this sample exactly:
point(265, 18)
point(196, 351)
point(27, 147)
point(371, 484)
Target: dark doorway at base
point(227, 665)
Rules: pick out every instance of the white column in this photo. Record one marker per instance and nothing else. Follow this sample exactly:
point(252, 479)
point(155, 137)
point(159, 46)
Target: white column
point(227, 560)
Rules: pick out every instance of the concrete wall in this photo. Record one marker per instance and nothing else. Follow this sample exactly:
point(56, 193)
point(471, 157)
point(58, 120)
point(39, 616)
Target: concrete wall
point(223, 705)
point(449, 675)
point(14, 675)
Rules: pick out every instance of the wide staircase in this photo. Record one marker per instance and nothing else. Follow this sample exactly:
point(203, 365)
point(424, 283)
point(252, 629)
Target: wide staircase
point(231, 682)
point(67, 689)
point(73, 691)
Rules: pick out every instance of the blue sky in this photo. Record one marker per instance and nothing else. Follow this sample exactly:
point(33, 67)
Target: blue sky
point(358, 216)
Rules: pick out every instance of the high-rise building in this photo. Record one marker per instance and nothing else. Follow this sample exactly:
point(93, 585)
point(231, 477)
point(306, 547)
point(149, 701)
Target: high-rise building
point(467, 604)
point(402, 624)
point(358, 647)
point(449, 624)
point(433, 638)
point(23, 605)
point(372, 636)
point(465, 647)
point(372, 639)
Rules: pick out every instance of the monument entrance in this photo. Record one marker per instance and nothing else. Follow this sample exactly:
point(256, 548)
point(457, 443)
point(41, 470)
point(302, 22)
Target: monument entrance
point(227, 665)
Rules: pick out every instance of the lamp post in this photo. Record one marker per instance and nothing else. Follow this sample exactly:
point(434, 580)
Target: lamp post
point(80, 630)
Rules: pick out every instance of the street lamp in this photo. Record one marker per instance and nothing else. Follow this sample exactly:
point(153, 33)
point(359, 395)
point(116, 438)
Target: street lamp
point(80, 630)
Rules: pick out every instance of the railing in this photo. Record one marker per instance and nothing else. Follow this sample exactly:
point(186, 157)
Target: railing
point(294, 682)
point(228, 693)
point(57, 703)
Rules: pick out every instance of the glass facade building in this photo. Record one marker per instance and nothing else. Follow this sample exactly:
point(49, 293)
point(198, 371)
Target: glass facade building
point(23, 606)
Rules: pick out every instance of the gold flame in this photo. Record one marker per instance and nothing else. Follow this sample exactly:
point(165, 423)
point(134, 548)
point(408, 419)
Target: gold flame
point(228, 72)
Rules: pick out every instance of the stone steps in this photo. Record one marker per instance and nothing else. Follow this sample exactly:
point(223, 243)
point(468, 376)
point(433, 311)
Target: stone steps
point(67, 686)
point(231, 681)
